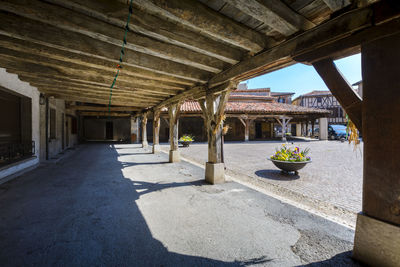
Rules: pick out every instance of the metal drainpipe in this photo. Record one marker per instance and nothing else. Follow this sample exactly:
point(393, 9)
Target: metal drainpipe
point(47, 128)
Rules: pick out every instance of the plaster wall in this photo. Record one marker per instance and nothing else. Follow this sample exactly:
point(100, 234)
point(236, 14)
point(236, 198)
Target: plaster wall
point(13, 83)
point(95, 129)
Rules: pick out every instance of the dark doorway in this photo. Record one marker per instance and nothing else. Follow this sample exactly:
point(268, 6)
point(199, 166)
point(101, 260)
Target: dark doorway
point(258, 130)
point(109, 130)
point(62, 131)
point(67, 131)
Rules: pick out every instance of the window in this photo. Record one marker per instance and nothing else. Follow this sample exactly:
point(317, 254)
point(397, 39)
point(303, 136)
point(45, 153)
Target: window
point(52, 123)
point(74, 125)
point(281, 100)
point(319, 99)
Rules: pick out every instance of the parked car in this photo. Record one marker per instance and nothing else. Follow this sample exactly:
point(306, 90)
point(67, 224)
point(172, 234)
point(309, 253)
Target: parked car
point(337, 132)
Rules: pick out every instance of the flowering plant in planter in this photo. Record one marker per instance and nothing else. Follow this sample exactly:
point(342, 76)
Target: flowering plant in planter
point(186, 138)
point(291, 154)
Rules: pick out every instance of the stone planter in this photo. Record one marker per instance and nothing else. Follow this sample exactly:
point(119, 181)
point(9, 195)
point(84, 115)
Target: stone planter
point(287, 166)
point(185, 143)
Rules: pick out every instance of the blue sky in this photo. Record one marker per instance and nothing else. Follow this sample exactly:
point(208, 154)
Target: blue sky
point(302, 78)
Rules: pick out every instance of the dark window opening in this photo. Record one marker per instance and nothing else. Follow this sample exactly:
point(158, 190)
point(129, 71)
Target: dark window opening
point(15, 127)
point(109, 130)
point(53, 123)
point(74, 126)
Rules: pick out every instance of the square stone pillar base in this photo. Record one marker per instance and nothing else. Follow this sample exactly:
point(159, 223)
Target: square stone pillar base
point(376, 243)
point(145, 144)
point(156, 148)
point(174, 156)
point(323, 129)
point(215, 173)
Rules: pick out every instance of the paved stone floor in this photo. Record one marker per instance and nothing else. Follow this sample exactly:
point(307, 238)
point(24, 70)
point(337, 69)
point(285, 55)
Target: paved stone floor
point(118, 205)
point(332, 183)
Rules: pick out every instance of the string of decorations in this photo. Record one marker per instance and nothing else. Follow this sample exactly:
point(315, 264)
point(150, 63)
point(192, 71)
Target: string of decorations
point(119, 66)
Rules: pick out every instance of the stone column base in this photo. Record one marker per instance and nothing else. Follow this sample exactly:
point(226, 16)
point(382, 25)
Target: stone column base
point(145, 144)
point(215, 173)
point(376, 243)
point(174, 156)
point(156, 148)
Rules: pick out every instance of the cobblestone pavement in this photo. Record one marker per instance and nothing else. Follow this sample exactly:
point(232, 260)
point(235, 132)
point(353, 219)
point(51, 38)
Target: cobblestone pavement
point(332, 182)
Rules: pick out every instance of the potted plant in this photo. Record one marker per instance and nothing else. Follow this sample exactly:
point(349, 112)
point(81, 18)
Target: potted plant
point(290, 158)
point(186, 140)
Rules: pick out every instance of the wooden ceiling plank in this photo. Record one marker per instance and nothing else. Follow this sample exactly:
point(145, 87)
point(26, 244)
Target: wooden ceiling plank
point(25, 76)
point(329, 32)
point(26, 29)
point(10, 60)
point(275, 14)
point(99, 108)
point(147, 77)
point(73, 21)
point(149, 25)
point(103, 114)
point(204, 20)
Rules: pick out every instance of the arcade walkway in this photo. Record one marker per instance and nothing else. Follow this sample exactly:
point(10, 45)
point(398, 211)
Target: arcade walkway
point(119, 205)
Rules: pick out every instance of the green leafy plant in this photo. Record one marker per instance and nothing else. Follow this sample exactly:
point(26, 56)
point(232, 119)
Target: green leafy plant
point(291, 154)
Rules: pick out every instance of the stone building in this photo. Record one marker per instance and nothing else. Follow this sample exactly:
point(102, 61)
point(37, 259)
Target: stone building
point(252, 114)
point(325, 100)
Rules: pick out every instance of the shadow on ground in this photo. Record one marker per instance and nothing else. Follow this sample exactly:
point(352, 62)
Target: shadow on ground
point(82, 212)
point(276, 175)
point(341, 259)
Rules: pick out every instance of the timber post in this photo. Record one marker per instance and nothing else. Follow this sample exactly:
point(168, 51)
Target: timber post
point(173, 112)
point(213, 108)
point(144, 131)
point(156, 131)
point(246, 123)
point(377, 233)
point(341, 89)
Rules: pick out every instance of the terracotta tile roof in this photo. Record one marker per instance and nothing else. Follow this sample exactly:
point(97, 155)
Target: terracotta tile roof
point(269, 108)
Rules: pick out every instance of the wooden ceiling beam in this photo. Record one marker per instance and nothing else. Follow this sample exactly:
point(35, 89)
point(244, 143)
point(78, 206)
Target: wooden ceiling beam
point(87, 86)
point(99, 108)
point(95, 99)
point(206, 21)
point(275, 14)
point(28, 63)
point(76, 22)
point(104, 114)
point(41, 33)
point(148, 77)
point(105, 93)
point(134, 100)
point(332, 31)
point(149, 25)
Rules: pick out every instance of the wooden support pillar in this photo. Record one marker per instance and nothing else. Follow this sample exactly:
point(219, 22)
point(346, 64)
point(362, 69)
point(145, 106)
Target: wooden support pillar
point(144, 131)
point(298, 129)
point(323, 129)
point(272, 132)
point(213, 108)
point(341, 89)
point(306, 128)
point(156, 131)
point(283, 121)
point(377, 237)
point(312, 128)
point(173, 112)
point(246, 123)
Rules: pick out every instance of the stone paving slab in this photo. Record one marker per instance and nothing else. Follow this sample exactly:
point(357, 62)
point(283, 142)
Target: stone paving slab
point(119, 205)
point(332, 183)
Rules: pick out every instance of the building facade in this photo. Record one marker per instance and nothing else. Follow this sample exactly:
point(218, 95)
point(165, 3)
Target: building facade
point(323, 100)
point(252, 114)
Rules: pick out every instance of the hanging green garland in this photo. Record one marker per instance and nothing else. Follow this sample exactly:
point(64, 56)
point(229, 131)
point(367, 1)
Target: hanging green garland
point(119, 66)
